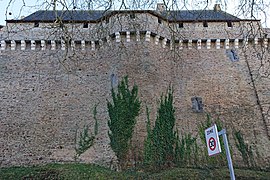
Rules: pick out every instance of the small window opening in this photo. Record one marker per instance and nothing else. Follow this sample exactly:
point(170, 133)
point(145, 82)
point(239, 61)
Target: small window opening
point(107, 20)
point(229, 23)
point(132, 16)
point(233, 55)
point(60, 22)
point(61, 25)
point(197, 105)
point(159, 21)
point(85, 25)
point(205, 24)
point(36, 24)
point(181, 25)
point(114, 82)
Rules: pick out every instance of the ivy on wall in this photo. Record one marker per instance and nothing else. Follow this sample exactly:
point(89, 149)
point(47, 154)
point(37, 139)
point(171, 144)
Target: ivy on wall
point(123, 110)
point(244, 149)
point(86, 140)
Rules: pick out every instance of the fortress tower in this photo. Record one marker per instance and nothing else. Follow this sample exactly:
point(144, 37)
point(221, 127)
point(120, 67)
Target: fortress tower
point(56, 65)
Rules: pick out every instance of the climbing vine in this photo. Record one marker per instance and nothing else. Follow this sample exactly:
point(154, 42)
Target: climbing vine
point(186, 151)
point(86, 140)
point(244, 149)
point(123, 110)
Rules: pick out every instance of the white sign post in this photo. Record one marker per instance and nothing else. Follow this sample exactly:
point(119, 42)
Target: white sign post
point(213, 145)
point(212, 141)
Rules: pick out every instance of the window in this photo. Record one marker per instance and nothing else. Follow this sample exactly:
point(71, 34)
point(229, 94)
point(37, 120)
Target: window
point(107, 20)
point(229, 23)
point(159, 21)
point(85, 25)
point(36, 24)
point(205, 24)
point(197, 105)
point(233, 55)
point(59, 22)
point(114, 82)
point(181, 25)
point(132, 16)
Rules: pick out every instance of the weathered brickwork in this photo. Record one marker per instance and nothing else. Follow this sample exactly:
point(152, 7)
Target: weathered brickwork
point(47, 92)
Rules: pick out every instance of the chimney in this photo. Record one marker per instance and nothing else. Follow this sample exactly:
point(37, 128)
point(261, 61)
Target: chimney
point(160, 7)
point(217, 7)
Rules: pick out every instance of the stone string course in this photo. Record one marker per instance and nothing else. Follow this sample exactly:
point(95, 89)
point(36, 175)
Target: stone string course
point(125, 36)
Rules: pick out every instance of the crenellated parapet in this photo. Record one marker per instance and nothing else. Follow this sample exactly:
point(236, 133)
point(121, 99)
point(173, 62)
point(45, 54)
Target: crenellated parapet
point(131, 37)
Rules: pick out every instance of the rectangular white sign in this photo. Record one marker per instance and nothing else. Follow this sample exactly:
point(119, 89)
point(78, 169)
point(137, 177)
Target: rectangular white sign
point(212, 140)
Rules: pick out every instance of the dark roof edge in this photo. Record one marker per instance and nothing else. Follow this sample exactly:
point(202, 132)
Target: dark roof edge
point(109, 14)
point(175, 21)
point(112, 13)
point(250, 20)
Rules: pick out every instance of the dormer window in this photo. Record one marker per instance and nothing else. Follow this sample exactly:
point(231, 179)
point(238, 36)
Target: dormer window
point(132, 16)
point(229, 23)
point(107, 20)
point(181, 25)
point(59, 22)
point(36, 24)
point(85, 25)
point(205, 24)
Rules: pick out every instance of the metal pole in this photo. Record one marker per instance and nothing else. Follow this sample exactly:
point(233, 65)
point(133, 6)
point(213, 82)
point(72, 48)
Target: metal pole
point(228, 154)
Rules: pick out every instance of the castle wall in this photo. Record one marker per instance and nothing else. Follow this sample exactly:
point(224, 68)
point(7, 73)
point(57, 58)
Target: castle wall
point(47, 95)
point(50, 82)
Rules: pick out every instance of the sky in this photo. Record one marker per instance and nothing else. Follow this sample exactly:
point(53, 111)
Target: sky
point(16, 9)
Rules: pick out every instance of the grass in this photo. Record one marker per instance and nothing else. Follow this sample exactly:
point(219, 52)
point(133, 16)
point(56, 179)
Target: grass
point(88, 171)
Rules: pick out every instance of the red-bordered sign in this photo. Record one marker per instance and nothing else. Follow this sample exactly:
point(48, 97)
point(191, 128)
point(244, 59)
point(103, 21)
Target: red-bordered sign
point(212, 140)
point(212, 144)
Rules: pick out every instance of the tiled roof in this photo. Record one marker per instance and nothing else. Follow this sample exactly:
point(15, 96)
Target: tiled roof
point(96, 15)
point(199, 15)
point(50, 15)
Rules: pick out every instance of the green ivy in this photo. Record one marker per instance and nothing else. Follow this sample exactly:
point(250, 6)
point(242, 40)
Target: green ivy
point(244, 149)
point(160, 142)
point(86, 140)
point(123, 110)
point(186, 151)
point(148, 154)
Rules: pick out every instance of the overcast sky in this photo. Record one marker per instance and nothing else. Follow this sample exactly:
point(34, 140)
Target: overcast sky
point(15, 9)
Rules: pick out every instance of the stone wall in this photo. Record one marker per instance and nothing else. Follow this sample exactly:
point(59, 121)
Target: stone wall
point(48, 89)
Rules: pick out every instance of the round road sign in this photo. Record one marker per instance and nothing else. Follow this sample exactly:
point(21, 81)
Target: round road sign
point(212, 143)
